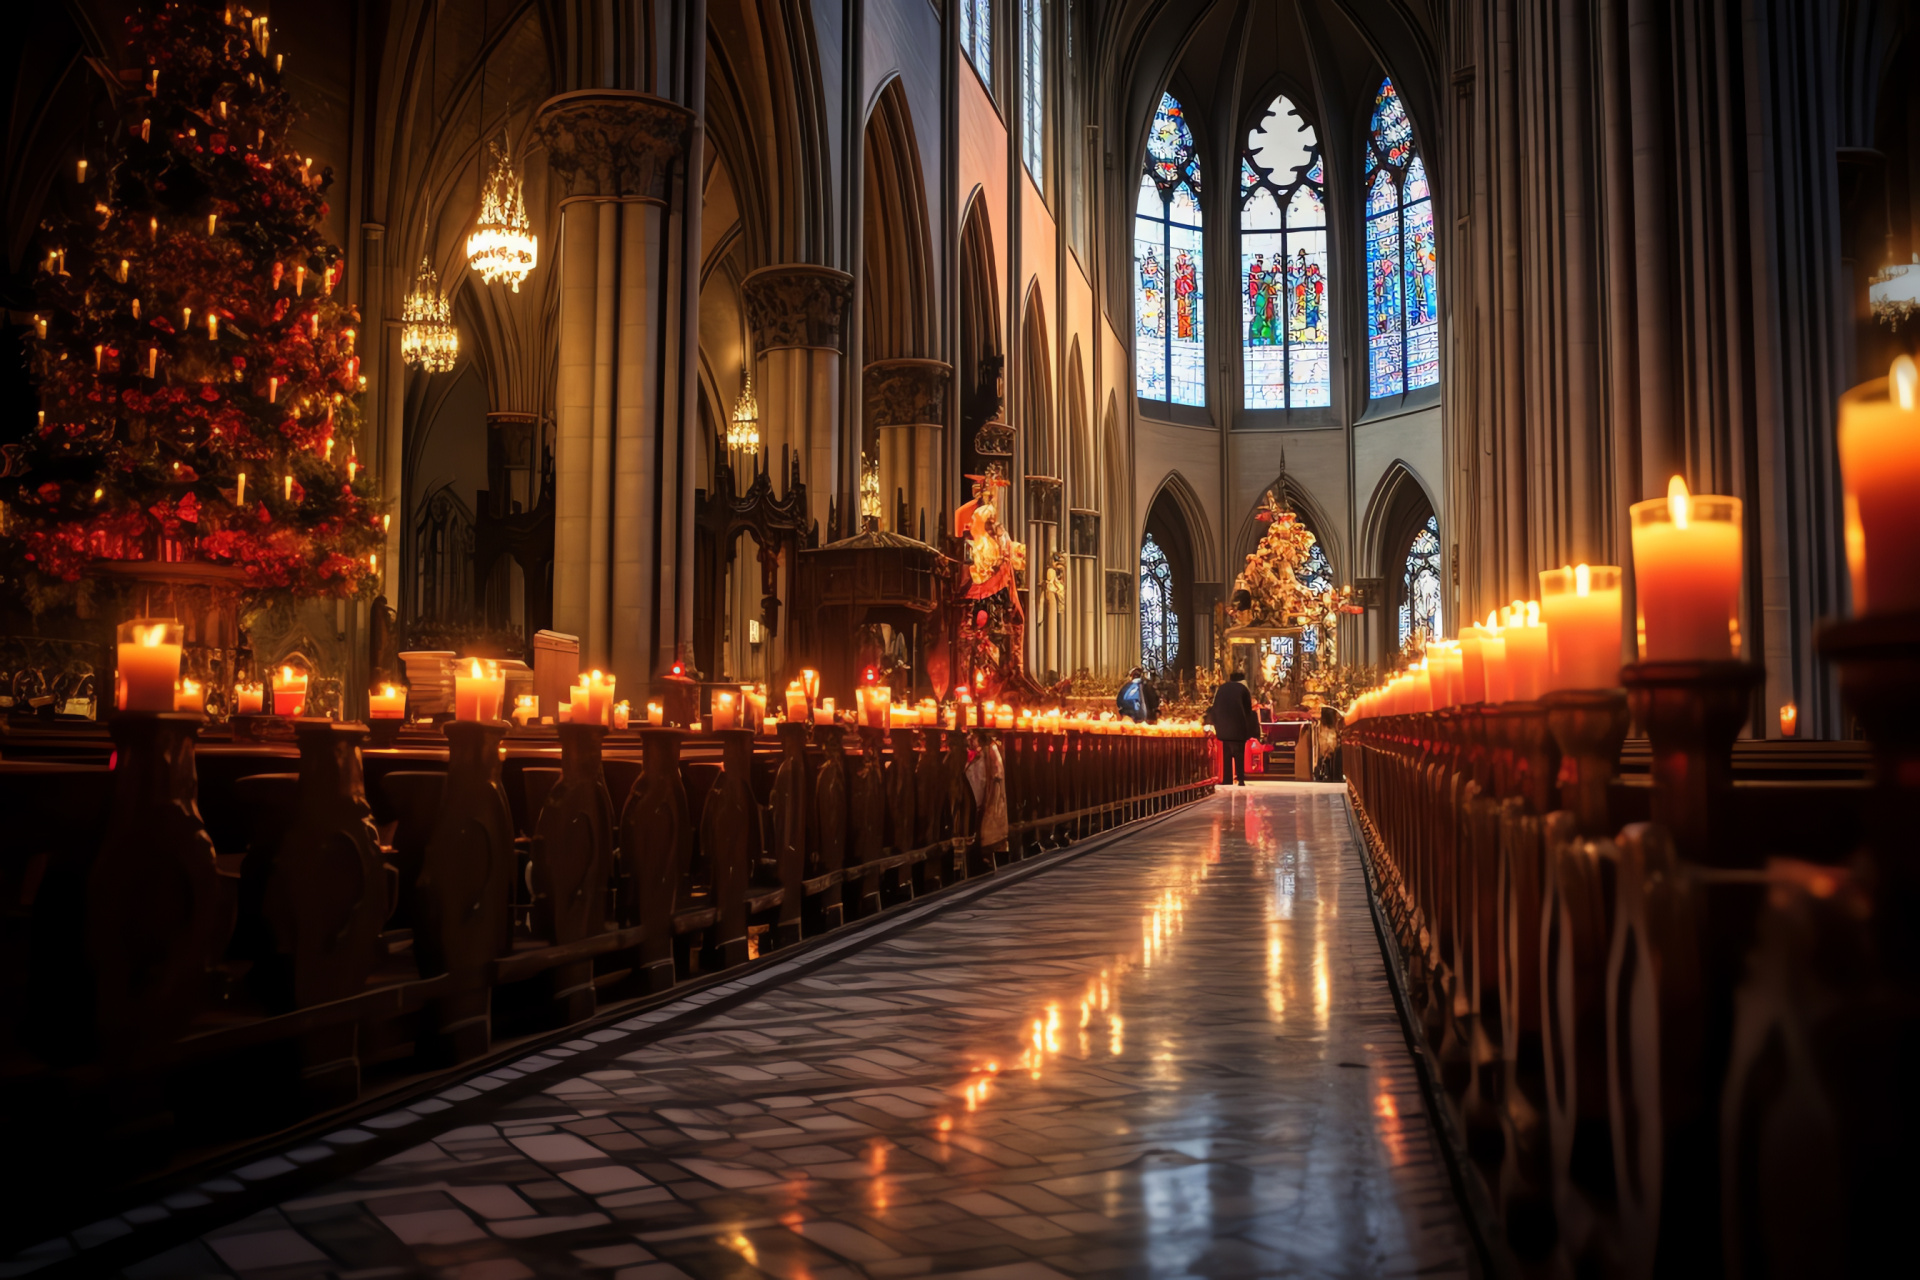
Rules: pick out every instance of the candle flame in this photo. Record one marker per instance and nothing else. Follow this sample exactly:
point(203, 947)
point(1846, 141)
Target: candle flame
point(150, 637)
point(1533, 613)
point(1493, 620)
point(476, 668)
point(1789, 719)
point(1904, 377)
point(286, 675)
point(386, 691)
point(1679, 503)
point(1582, 580)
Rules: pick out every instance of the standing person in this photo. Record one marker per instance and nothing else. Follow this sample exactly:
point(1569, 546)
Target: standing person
point(1137, 699)
point(1326, 747)
point(1233, 723)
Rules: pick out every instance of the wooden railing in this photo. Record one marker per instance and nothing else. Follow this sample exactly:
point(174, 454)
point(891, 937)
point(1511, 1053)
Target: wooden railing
point(1662, 1009)
point(228, 936)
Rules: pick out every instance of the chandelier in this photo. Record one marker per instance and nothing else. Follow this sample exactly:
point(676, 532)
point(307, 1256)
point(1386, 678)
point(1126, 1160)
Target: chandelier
point(1895, 291)
point(428, 338)
point(503, 246)
point(744, 431)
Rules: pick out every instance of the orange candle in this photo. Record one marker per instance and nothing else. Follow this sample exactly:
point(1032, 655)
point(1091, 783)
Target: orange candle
point(1581, 606)
point(290, 693)
point(723, 711)
point(598, 689)
point(621, 714)
point(388, 704)
point(525, 707)
point(190, 696)
point(1526, 664)
point(477, 694)
point(1789, 720)
point(149, 663)
point(1474, 644)
point(1879, 441)
point(1686, 566)
point(1443, 673)
point(656, 714)
point(796, 701)
point(247, 699)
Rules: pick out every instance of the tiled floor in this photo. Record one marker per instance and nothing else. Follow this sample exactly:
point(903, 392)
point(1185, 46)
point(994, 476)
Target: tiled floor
point(1174, 1056)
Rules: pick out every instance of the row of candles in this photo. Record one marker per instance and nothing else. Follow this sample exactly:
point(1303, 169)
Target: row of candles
point(1689, 566)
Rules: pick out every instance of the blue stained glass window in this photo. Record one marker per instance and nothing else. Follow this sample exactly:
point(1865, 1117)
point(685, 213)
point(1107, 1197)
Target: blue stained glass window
point(1033, 90)
point(1159, 622)
point(1403, 292)
point(1169, 267)
point(1284, 325)
point(1420, 587)
point(976, 35)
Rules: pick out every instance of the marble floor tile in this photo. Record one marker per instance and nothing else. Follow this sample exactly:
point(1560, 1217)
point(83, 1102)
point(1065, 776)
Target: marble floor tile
point(1175, 1056)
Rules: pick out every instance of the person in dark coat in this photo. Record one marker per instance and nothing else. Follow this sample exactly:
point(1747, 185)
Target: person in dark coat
point(1233, 723)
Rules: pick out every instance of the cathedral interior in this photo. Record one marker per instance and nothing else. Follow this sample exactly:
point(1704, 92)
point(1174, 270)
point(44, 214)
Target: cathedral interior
point(691, 339)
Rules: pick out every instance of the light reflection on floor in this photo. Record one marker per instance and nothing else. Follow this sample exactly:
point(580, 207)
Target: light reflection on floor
point(1174, 1056)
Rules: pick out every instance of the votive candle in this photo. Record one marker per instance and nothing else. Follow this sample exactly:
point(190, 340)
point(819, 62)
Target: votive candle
point(388, 704)
point(1526, 638)
point(656, 714)
point(1686, 576)
point(1581, 606)
point(190, 696)
point(149, 664)
point(724, 714)
point(1879, 440)
point(247, 699)
point(290, 692)
point(796, 701)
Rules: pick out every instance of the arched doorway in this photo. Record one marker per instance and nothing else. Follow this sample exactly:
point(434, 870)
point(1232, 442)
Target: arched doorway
point(1173, 641)
point(1404, 548)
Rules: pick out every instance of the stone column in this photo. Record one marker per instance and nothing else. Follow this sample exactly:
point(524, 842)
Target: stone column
point(797, 315)
point(906, 404)
point(1083, 588)
point(617, 455)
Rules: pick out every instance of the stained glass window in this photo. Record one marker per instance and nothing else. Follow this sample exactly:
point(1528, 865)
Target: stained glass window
point(976, 36)
point(1284, 324)
point(1403, 292)
point(1033, 89)
point(1159, 623)
point(1169, 276)
point(1420, 588)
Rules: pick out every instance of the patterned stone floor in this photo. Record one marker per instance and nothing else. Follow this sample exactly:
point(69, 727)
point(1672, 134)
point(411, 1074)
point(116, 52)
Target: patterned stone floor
point(1174, 1056)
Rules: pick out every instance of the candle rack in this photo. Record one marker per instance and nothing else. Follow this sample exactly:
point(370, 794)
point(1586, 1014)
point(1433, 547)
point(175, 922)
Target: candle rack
point(1692, 711)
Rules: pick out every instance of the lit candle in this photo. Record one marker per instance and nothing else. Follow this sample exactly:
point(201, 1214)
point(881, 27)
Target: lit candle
point(190, 696)
point(656, 714)
point(951, 715)
point(477, 692)
point(1003, 717)
point(592, 699)
point(1686, 568)
point(620, 715)
point(248, 699)
point(273, 390)
point(288, 487)
point(824, 715)
point(212, 220)
point(1526, 638)
point(796, 700)
point(1473, 661)
point(810, 682)
point(1789, 720)
point(1444, 674)
point(290, 692)
point(388, 704)
point(240, 489)
point(1581, 606)
point(723, 712)
point(1880, 477)
point(563, 714)
point(756, 709)
point(1493, 659)
point(81, 175)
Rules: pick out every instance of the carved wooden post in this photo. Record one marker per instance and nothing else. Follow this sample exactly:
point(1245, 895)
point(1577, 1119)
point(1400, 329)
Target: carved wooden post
point(1589, 725)
point(327, 896)
point(1692, 711)
point(730, 837)
point(869, 813)
point(156, 917)
point(656, 847)
point(463, 900)
point(791, 803)
point(900, 797)
point(830, 814)
point(1019, 792)
point(572, 863)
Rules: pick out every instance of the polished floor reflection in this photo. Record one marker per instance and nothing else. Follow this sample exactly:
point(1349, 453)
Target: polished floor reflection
point(1174, 1056)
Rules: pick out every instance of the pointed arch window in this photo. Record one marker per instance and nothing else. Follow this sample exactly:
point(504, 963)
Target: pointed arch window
point(1159, 621)
point(1169, 274)
point(1420, 587)
point(1033, 89)
point(1403, 292)
point(1284, 325)
point(976, 36)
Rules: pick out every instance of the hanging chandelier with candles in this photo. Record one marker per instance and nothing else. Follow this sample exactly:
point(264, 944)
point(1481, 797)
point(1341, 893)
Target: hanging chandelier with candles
point(1895, 291)
point(503, 246)
point(428, 338)
point(744, 431)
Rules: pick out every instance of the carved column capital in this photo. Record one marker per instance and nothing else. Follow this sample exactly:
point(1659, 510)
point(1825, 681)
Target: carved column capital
point(908, 392)
point(611, 142)
point(797, 305)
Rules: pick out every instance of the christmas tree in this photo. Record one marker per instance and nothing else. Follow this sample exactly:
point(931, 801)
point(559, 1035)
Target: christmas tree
point(196, 371)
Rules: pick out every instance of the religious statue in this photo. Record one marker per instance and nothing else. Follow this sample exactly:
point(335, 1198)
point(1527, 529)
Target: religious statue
point(993, 623)
point(995, 557)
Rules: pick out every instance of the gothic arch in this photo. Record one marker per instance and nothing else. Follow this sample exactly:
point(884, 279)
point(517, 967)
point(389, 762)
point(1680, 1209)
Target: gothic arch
point(1040, 440)
point(898, 298)
point(1400, 505)
point(1176, 490)
point(1082, 491)
point(981, 372)
point(1116, 511)
point(1177, 524)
